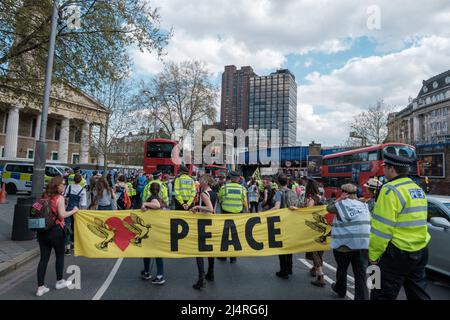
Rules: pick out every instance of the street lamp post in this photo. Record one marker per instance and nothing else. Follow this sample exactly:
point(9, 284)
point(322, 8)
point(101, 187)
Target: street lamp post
point(41, 144)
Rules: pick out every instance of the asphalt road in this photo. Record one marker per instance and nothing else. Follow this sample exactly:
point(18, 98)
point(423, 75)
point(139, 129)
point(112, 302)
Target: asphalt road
point(249, 278)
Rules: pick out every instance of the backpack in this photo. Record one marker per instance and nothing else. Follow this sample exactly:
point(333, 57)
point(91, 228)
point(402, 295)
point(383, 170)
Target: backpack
point(123, 201)
point(41, 218)
point(288, 198)
point(73, 200)
point(270, 197)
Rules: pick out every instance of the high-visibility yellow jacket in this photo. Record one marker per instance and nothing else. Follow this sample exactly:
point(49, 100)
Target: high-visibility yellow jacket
point(163, 191)
point(400, 217)
point(232, 197)
point(71, 180)
point(131, 190)
point(184, 189)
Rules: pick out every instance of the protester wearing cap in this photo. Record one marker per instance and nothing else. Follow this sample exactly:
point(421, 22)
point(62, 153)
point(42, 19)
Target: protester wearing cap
point(350, 240)
point(373, 187)
point(71, 178)
point(184, 190)
point(399, 234)
point(233, 198)
point(163, 193)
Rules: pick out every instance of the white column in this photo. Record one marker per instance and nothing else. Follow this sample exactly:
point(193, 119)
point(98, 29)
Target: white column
point(12, 133)
point(84, 147)
point(101, 157)
point(38, 127)
point(63, 149)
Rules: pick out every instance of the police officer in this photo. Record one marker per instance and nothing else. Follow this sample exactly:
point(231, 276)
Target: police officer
point(399, 234)
point(71, 178)
point(163, 193)
point(233, 198)
point(184, 190)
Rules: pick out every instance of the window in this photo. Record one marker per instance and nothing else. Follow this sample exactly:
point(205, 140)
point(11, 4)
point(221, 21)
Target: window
point(435, 212)
point(432, 165)
point(57, 131)
point(19, 168)
point(435, 85)
point(2, 150)
point(425, 89)
point(30, 153)
point(447, 80)
point(75, 158)
point(33, 127)
point(54, 155)
point(52, 172)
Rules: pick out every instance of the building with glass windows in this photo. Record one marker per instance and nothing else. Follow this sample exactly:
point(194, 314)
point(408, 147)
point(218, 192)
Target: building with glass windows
point(273, 105)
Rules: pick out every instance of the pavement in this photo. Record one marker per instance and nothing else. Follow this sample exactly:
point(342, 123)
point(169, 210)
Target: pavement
point(13, 254)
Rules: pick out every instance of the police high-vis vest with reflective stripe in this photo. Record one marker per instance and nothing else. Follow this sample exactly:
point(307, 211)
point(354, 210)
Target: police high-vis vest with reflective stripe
point(400, 217)
point(71, 180)
point(163, 192)
point(232, 196)
point(131, 190)
point(351, 227)
point(184, 189)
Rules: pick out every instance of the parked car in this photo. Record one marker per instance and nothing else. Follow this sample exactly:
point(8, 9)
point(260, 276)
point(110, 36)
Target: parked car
point(439, 229)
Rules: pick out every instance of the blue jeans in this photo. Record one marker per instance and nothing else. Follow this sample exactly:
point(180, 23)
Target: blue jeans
point(104, 207)
point(159, 266)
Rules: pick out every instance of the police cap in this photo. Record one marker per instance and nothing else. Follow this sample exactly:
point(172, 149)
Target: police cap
point(156, 174)
point(183, 168)
point(396, 161)
point(234, 174)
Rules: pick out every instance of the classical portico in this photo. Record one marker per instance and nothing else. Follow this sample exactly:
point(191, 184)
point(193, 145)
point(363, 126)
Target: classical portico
point(71, 119)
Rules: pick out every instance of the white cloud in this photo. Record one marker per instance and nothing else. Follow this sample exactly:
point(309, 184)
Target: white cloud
point(361, 82)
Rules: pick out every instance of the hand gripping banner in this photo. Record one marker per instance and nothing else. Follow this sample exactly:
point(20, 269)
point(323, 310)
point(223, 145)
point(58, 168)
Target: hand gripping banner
point(182, 234)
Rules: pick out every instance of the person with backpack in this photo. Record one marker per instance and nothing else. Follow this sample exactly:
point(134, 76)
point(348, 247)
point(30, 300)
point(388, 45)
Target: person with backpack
point(153, 202)
point(253, 196)
point(208, 202)
point(268, 195)
point(123, 200)
point(284, 198)
point(76, 197)
point(53, 236)
point(140, 183)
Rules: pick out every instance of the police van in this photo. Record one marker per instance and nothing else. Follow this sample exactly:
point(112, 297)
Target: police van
point(17, 176)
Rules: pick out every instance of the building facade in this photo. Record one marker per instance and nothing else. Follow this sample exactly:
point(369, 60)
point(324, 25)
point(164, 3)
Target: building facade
point(426, 118)
point(273, 105)
point(425, 124)
point(234, 99)
point(72, 118)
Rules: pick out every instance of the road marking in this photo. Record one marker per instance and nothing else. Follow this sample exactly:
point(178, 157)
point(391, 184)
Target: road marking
point(334, 269)
point(329, 280)
point(108, 280)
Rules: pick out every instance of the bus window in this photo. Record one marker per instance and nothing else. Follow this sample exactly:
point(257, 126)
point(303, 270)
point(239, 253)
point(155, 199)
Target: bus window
point(159, 150)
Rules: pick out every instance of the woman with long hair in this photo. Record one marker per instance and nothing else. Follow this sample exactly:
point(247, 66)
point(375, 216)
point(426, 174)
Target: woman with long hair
point(154, 202)
point(313, 198)
point(104, 195)
point(208, 200)
point(54, 237)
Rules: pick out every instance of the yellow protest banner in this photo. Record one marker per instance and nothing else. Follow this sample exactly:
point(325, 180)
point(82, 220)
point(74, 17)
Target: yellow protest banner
point(181, 234)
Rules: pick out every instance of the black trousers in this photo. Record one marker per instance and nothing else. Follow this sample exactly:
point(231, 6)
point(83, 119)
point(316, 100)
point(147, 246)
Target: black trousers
point(401, 268)
point(359, 261)
point(254, 205)
point(51, 239)
point(201, 267)
point(285, 263)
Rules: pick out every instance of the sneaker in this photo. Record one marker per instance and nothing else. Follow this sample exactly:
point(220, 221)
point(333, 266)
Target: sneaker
point(61, 284)
point(41, 291)
point(333, 287)
point(67, 252)
point(145, 275)
point(319, 282)
point(282, 275)
point(159, 280)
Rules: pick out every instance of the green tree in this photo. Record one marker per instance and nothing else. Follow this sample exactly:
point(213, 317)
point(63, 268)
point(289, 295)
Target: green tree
point(84, 56)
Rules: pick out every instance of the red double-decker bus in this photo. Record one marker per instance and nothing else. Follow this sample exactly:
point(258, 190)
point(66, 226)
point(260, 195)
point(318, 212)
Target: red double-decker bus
point(359, 165)
point(164, 155)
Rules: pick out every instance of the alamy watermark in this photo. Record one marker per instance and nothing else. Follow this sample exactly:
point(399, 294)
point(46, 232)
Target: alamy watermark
point(75, 277)
point(228, 146)
point(374, 278)
point(374, 17)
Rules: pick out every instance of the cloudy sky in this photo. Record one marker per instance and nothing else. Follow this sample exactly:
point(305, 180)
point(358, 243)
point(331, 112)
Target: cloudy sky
point(345, 54)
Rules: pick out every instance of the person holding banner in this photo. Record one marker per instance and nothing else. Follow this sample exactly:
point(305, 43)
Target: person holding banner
point(154, 202)
point(233, 198)
point(208, 201)
point(54, 237)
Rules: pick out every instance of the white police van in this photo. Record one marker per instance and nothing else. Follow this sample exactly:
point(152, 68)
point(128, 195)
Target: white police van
point(17, 176)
